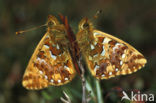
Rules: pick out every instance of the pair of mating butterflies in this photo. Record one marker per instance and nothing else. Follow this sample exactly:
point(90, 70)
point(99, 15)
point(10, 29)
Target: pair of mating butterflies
point(106, 56)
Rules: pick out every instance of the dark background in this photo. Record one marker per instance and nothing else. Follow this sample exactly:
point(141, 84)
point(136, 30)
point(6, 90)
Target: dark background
point(134, 21)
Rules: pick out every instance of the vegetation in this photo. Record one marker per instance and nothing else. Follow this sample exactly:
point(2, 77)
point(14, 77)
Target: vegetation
point(131, 20)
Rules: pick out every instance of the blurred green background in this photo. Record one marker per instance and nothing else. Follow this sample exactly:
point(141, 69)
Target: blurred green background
point(134, 21)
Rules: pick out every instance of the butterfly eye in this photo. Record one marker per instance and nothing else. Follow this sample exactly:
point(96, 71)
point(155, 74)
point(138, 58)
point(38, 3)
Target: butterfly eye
point(51, 23)
point(86, 25)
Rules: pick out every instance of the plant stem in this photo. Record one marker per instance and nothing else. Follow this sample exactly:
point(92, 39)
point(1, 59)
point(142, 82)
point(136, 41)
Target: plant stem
point(99, 93)
point(92, 93)
point(83, 82)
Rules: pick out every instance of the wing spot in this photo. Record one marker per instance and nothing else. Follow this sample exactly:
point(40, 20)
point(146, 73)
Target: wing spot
point(92, 47)
point(46, 77)
point(67, 68)
point(121, 62)
point(106, 40)
point(116, 46)
point(59, 81)
point(96, 67)
point(95, 43)
point(57, 46)
point(95, 55)
point(110, 73)
point(51, 80)
point(116, 69)
point(66, 78)
point(47, 37)
point(46, 46)
point(40, 72)
point(123, 55)
point(53, 56)
point(103, 52)
point(96, 34)
point(103, 75)
point(41, 60)
point(90, 58)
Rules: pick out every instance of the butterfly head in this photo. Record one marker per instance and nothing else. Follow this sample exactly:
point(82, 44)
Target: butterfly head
point(85, 24)
point(52, 21)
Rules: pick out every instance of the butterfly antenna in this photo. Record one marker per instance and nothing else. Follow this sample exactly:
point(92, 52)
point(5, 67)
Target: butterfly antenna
point(97, 14)
point(22, 31)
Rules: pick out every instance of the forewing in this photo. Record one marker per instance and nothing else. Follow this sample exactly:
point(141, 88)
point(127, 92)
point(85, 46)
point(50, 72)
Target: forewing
point(51, 64)
point(110, 56)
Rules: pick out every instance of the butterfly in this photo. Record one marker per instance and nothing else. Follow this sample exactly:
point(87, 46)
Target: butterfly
point(107, 56)
point(52, 64)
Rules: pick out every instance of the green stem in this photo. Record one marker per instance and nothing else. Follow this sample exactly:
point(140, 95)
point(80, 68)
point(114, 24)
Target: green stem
point(99, 93)
point(89, 88)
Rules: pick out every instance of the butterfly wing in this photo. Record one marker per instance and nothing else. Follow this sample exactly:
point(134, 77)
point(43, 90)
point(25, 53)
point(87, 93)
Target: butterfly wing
point(110, 56)
point(51, 64)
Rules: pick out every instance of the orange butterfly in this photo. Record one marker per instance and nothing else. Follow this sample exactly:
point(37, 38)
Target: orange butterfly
point(106, 56)
point(51, 62)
